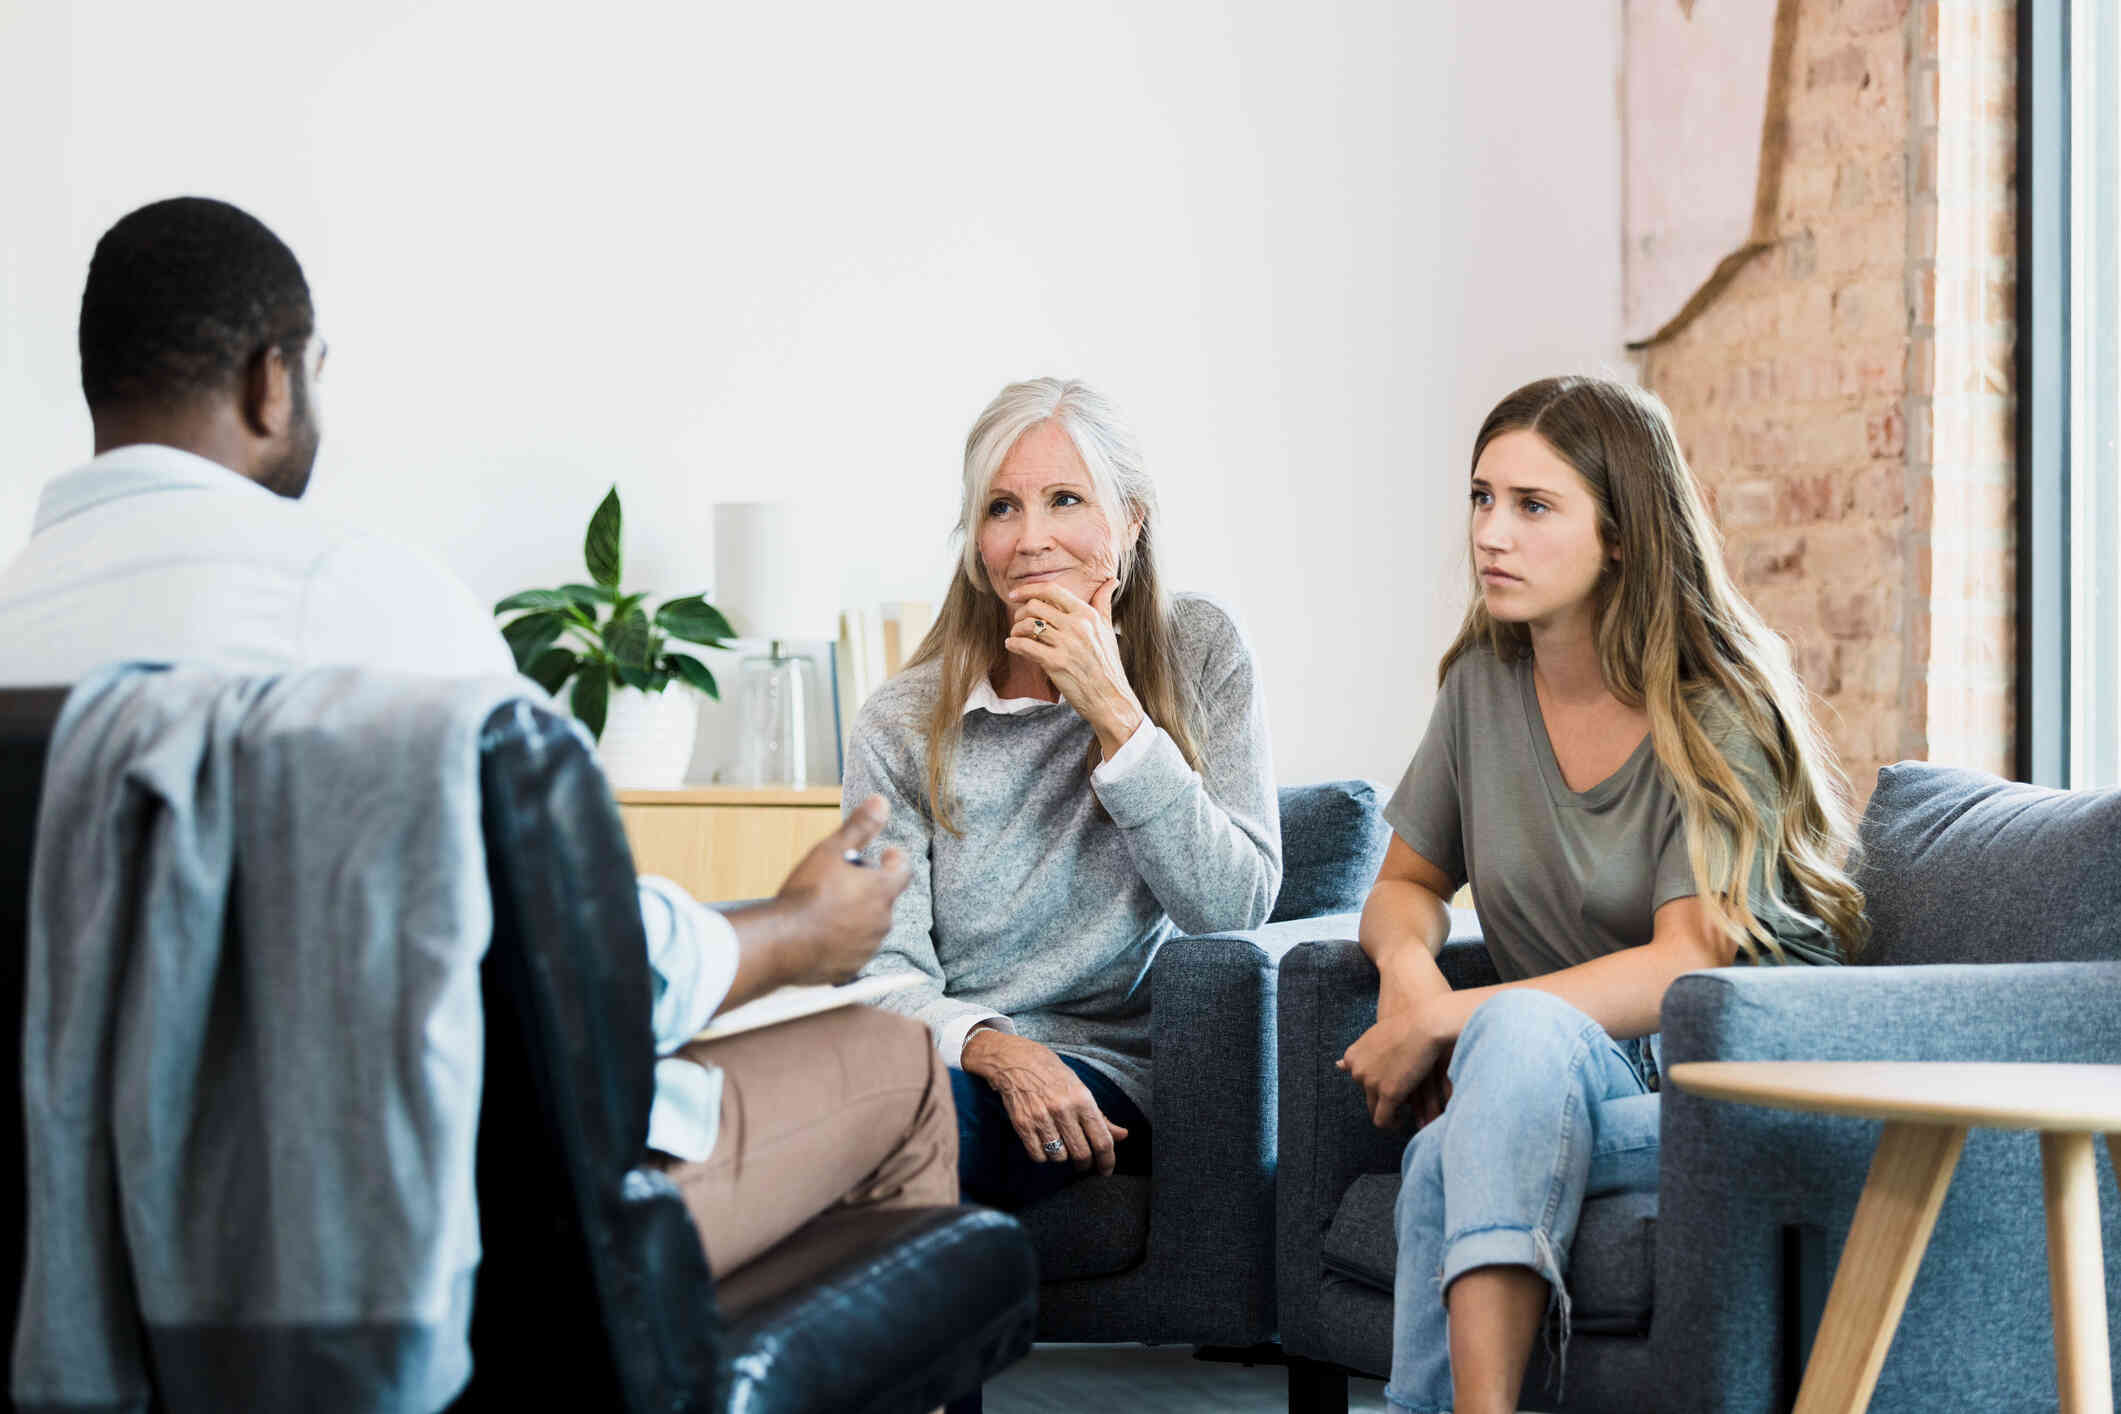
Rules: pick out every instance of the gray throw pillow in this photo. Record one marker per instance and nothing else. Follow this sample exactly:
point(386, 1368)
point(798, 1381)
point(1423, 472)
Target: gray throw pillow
point(1959, 866)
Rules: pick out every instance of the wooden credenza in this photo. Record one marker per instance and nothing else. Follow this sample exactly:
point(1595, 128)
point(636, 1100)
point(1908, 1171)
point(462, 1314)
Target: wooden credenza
point(726, 842)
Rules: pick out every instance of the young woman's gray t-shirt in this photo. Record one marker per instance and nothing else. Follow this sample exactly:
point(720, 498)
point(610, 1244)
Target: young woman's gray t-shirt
point(1561, 876)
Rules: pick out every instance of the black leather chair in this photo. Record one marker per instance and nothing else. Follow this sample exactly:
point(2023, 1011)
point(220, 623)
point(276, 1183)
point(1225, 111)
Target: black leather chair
point(594, 1289)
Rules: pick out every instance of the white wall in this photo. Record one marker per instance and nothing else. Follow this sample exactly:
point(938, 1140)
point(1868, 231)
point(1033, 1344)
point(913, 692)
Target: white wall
point(739, 251)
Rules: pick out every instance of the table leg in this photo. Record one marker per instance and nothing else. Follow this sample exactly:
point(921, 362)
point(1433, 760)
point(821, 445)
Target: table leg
point(2076, 1273)
point(1909, 1174)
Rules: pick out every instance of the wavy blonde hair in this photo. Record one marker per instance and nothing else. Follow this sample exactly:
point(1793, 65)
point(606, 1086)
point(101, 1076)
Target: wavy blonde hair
point(967, 636)
point(1673, 635)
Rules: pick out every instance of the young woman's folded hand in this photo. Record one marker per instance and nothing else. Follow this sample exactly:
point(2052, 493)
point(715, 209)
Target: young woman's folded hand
point(1401, 1064)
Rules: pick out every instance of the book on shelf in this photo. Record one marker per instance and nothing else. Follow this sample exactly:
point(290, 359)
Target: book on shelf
point(874, 645)
point(854, 667)
point(906, 623)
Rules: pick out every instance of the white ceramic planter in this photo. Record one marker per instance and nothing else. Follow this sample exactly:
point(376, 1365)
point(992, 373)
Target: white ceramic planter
point(648, 737)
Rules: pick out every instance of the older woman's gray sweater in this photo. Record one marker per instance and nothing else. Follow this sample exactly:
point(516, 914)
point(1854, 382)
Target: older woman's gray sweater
point(1043, 914)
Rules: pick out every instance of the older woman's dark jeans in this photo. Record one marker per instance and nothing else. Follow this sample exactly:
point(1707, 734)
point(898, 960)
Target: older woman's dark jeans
point(992, 1167)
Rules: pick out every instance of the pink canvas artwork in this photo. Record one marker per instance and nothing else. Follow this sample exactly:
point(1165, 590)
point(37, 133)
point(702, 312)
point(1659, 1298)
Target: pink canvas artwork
point(1700, 80)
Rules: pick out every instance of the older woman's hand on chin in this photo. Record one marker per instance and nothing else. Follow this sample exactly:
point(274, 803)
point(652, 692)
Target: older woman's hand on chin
point(1075, 645)
point(1046, 1100)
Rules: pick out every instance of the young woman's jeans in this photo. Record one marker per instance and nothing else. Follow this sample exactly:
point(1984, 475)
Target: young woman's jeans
point(994, 1168)
point(1546, 1110)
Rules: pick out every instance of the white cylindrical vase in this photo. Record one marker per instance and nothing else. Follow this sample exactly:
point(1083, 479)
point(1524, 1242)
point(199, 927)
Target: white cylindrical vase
point(647, 741)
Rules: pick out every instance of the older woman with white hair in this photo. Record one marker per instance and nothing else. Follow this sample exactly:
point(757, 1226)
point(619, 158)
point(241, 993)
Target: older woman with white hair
point(1077, 767)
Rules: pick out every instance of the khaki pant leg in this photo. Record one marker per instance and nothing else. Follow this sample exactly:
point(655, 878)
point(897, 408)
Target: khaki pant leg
point(849, 1108)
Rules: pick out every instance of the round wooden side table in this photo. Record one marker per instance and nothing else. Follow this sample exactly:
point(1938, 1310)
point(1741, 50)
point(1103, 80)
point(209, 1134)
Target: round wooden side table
point(1927, 1108)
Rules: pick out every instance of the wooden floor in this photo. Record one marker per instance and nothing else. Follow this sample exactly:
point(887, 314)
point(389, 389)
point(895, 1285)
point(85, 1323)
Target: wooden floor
point(1108, 1379)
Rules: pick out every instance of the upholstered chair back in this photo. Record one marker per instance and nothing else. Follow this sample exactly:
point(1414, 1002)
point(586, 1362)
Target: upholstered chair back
point(1332, 840)
point(1959, 866)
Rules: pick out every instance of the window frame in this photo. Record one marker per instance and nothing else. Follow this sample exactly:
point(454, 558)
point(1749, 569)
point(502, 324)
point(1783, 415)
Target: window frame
point(2042, 751)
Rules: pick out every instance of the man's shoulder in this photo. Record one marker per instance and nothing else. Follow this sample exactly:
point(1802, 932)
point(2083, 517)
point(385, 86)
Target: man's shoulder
point(349, 550)
point(401, 605)
point(95, 532)
point(130, 564)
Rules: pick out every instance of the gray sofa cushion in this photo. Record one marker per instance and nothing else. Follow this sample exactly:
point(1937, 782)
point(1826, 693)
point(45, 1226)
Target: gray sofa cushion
point(1611, 1266)
point(1332, 840)
point(1092, 1228)
point(1958, 866)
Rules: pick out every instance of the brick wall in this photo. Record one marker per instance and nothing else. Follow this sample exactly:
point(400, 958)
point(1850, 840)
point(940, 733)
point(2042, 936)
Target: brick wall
point(1839, 398)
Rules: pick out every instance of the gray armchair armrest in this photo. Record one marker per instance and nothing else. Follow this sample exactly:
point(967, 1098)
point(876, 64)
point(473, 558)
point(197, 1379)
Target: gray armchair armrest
point(1328, 998)
point(1738, 1180)
point(1211, 1029)
point(2054, 1011)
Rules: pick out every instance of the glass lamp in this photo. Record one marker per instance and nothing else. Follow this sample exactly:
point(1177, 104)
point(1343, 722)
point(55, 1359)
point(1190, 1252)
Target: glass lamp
point(770, 580)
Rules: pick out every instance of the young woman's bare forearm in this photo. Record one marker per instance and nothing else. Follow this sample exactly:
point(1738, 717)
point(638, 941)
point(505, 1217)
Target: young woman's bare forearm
point(1622, 991)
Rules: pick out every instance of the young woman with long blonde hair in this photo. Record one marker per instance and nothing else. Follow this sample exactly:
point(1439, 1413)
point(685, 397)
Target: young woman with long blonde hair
point(1625, 767)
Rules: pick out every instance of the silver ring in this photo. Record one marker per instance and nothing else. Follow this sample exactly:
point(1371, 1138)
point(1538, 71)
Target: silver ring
point(1038, 628)
point(1054, 1148)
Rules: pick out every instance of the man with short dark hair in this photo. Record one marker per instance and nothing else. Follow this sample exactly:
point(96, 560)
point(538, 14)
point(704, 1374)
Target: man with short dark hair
point(183, 541)
point(183, 538)
point(191, 297)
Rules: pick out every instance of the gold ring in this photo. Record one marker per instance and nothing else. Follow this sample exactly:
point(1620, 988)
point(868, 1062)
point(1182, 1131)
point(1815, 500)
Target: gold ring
point(1038, 628)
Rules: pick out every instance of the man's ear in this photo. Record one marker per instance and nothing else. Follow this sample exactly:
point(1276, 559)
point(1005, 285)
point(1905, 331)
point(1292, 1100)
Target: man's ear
point(269, 394)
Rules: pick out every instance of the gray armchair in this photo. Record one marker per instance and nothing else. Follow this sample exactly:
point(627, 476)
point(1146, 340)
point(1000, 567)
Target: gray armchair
point(1186, 1254)
point(1703, 1296)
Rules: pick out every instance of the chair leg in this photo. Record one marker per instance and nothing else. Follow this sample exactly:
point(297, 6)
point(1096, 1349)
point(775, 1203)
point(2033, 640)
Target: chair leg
point(1316, 1388)
point(2076, 1274)
point(1267, 1352)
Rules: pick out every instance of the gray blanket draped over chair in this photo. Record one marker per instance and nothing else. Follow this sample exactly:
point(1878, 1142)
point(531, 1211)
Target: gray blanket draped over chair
point(252, 1042)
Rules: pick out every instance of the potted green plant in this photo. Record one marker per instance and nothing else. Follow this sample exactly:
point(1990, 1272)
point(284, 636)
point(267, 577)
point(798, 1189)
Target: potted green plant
point(619, 657)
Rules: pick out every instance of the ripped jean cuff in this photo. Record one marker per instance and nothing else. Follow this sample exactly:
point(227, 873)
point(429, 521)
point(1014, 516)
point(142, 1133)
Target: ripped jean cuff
point(1502, 1247)
point(1528, 1247)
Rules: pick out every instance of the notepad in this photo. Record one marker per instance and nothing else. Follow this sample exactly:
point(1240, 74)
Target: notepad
point(788, 1003)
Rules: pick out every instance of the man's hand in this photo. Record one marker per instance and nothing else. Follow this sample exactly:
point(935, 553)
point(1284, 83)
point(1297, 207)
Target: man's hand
point(828, 918)
point(1045, 1099)
point(842, 911)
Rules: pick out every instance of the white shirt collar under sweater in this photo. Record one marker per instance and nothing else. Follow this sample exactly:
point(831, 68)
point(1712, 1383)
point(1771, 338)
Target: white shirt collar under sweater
point(984, 697)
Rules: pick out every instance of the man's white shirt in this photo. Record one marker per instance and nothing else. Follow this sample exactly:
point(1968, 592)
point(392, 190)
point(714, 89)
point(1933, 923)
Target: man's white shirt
point(153, 554)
